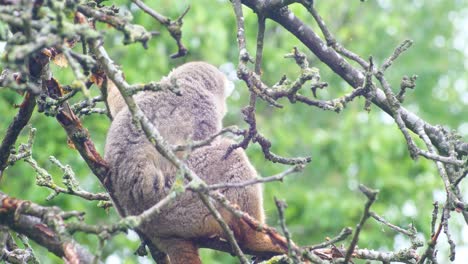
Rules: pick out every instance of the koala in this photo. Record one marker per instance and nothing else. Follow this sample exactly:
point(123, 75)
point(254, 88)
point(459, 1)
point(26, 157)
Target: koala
point(140, 176)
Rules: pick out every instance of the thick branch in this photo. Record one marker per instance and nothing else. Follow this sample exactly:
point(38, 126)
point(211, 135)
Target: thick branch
point(34, 228)
point(20, 120)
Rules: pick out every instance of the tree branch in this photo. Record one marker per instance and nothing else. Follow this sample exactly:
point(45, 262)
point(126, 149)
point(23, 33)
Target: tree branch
point(348, 73)
point(31, 225)
point(13, 131)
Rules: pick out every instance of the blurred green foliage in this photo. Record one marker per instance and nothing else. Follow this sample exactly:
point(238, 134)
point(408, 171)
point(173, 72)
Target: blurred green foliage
point(348, 148)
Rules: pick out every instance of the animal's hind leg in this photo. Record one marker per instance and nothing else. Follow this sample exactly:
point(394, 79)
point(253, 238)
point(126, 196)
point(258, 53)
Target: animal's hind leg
point(180, 251)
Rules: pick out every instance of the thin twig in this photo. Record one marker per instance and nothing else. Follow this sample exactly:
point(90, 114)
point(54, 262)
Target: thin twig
point(174, 27)
point(340, 237)
point(281, 206)
point(197, 144)
point(331, 41)
point(277, 177)
point(371, 197)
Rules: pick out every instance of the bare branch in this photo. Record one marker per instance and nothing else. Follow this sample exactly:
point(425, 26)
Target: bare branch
point(132, 33)
point(371, 197)
point(277, 177)
point(347, 231)
point(331, 41)
point(281, 206)
point(174, 27)
point(233, 130)
point(13, 131)
point(32, 226)
point(339, 65)
point(398, 51)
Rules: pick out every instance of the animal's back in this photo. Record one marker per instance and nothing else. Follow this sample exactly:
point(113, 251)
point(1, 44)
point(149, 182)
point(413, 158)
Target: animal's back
point(139, 174)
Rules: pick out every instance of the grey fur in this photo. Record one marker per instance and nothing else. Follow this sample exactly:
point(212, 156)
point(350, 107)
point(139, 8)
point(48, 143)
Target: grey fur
point(140, 176)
